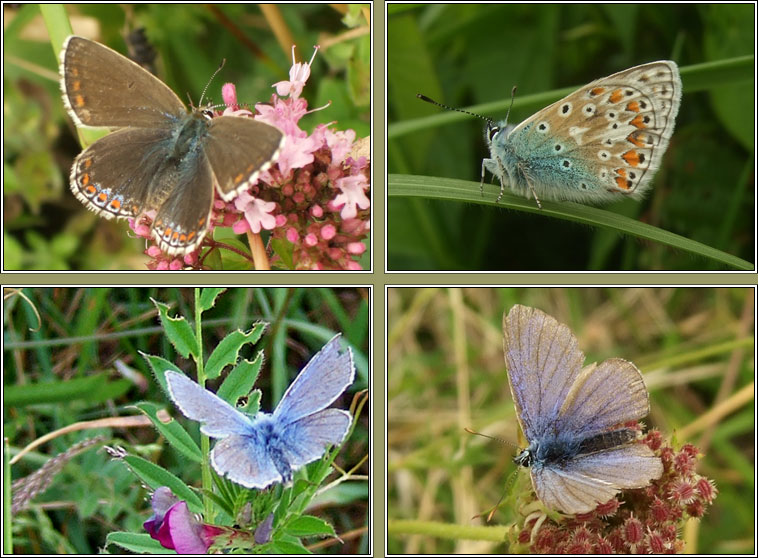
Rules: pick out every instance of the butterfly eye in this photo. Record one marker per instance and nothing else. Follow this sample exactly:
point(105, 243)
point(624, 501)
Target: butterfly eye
point(492, 131)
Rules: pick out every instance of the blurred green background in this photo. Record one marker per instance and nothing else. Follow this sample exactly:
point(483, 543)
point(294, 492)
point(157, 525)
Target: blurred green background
point(72, 355)
point(46, 228)
point(446, 372)
point(468, 54)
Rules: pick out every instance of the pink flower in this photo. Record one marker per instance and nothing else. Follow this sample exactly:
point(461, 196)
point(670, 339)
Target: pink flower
point(314, 197)
point(257, 214)
point(352, 195)
point(299, 74)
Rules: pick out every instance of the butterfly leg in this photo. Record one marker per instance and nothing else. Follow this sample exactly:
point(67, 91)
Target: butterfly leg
point(534, 193)
point(530, 185)
point(481, 183)
point(496, 168)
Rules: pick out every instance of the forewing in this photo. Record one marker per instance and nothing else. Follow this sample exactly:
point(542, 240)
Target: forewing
point(218, 419)
point(543, 360)
point(244, 460)
point(104, 88)
point(322, 380)
point(580, 484)
point(306, 439)
point(604, 396)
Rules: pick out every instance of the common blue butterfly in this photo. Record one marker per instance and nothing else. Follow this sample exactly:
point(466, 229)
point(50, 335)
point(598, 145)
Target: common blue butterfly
point(601, 143)
point(268, 448)
point(160, 158)
point(579, 452)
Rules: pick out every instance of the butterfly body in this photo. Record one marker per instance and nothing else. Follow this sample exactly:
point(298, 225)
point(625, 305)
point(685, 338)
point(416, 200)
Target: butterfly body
point(267, 448)
point(599, 144)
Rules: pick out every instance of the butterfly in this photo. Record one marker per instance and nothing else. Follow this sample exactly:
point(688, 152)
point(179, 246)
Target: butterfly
point(579, 452)
point(160, 159)
point(601, 143)
point(268, 448)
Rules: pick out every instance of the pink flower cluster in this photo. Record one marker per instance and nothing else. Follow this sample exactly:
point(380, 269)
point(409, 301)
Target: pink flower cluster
point(648, 522)
point(314, 200)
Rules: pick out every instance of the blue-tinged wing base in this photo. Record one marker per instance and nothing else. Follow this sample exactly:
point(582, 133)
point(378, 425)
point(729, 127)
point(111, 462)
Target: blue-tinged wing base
point(306, 439)
point(579, 485)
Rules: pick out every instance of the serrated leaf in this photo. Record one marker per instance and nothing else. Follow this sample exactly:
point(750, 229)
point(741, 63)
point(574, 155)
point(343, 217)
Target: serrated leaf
point(208, 297)
point(227, 351)
point(241, 379)
point(178, 332)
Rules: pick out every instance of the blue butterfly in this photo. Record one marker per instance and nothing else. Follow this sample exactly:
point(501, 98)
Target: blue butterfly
point(579, 452)
point(267, 448)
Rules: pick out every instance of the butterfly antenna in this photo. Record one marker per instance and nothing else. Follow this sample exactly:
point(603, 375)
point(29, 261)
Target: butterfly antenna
point(507, 484)
point(513, 97)
point(223, 61)
point(448, 107)
point(501, 440)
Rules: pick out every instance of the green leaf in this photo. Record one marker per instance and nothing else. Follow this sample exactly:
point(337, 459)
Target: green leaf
point(137, 543)
point(208, 297)
point(159, 365)
point(174, 433)
point(227, 351)
point(241, 379)
point(288, 547)
point(309, 526)
point(178, 331)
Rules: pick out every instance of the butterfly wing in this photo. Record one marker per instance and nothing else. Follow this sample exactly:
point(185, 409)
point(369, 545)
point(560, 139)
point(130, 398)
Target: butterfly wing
point(582, 483)
point(95, 80)
point(183, 195)
point(218, 419)
point(543, 360)
point(306, 439)
point(104, 184)
point(322, 380)
point(553, 393)
point(245, 460)
point(599, 143)
point(603, 396)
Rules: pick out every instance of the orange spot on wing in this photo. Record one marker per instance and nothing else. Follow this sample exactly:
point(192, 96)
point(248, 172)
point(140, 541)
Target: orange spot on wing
point(616, 96)
point(632, 158)
point(633, 106)
point(638, 122)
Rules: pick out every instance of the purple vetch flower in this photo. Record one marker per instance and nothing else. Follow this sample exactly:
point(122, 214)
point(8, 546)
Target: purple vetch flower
point(175, 527)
